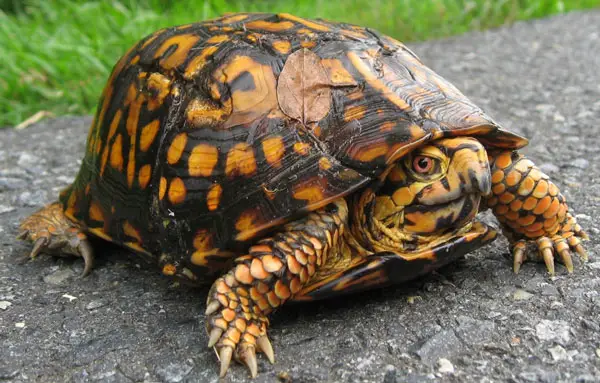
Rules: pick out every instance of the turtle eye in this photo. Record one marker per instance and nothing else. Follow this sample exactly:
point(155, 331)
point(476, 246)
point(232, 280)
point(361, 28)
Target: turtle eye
point(422, 164)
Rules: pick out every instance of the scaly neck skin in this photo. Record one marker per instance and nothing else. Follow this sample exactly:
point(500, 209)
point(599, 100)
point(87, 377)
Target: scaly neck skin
point(367, 234)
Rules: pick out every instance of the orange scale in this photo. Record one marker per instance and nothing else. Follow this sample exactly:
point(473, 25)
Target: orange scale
point(243, 275)
point(542, 205)
point(504, 160)
point(501, 209)
point(552, 209)
point(541, 189)
point(513, 178)
point(498, 189)
point(535, 227)
point(530, 203)
point(548, 223)
point(506, 198)
point(293, 266)
point(526, 186)
point(527, 220)
point(516, 205)
point(535, 234)
point(497, 177)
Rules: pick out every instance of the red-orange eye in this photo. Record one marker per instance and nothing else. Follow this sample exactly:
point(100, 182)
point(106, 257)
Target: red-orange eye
point(422, 164)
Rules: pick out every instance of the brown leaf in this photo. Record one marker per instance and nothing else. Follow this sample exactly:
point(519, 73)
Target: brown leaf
point(303, 89)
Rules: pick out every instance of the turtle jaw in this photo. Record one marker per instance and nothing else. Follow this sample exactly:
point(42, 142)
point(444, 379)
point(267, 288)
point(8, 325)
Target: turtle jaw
point(422, 227)
point(433, 220)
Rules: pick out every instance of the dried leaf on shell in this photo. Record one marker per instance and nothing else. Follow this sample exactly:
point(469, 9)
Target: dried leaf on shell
point(303, 88)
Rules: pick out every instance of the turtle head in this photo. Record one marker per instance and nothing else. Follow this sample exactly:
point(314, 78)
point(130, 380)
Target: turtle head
point(429, 195)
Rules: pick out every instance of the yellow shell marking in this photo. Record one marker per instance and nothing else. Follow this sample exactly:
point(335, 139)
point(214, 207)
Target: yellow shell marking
point(176, 148)
point(148, 135)
point(312, 194)
point(198, 62)
point(371, 152)
point(240, 161)
point(184, 44)
point(269, 26)
point(282, 46)
point(338, 74)
point(144, 175)
point(234, 18)
point(353, 34)
point(324, 163)
point(131, 94)
point(302, 148)
point(355, 113)
point(376, 82)
point(131, 231)
point(132, 125)
point(201, 113)
point(203, 240)
point(245, 222)
point(247, 105)
point(162, 189)
point(116, 154)
point(202, 160)
point(308, 23)
point(160, 86)
point(111, 132)
point(308, 44)
point(274, 150)
point(95, 212)
point(217, 39)
point(177, 191)
point(213, 197)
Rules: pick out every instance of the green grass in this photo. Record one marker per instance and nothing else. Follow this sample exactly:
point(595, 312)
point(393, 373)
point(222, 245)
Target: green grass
point(55, 55)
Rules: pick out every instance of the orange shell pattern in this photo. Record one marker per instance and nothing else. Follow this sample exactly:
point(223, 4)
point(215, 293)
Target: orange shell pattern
point(191, 151)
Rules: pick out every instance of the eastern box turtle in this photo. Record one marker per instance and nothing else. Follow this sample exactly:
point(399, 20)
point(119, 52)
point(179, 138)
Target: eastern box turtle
point(286, 159)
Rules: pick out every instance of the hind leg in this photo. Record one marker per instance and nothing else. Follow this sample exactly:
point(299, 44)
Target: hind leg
point(52, 232)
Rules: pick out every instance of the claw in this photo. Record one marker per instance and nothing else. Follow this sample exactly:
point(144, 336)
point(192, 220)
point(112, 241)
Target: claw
point(249, 358)
point(23, 234)
point(215, 335)
point(548, 260)
point(212, 307)
point(37, 246)
point(265, 346)
point(583, 235)
point(565, 255)
point(225, 357)
point(518, 257)
point(582, 253)
point(88, 257)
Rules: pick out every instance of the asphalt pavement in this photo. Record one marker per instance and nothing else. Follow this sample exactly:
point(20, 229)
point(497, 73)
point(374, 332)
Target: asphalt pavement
point(471, 321)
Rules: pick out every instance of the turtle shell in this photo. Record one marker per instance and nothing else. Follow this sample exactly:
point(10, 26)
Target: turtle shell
point(207, 135)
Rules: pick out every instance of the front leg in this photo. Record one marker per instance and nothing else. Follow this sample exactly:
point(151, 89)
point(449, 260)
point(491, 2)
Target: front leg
point(532, 211)
point(274, 270)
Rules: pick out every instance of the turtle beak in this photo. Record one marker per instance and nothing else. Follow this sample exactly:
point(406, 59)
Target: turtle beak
point(474, 170)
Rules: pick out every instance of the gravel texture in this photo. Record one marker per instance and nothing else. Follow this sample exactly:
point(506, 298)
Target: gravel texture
point(471, 321)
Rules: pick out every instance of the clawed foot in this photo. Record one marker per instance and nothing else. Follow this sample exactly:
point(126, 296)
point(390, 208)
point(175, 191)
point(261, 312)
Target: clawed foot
point(547, 248)
point(51, 232)
point(236, 326)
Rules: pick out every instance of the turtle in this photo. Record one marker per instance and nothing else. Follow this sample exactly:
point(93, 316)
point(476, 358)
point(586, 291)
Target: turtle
point(287, 159)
